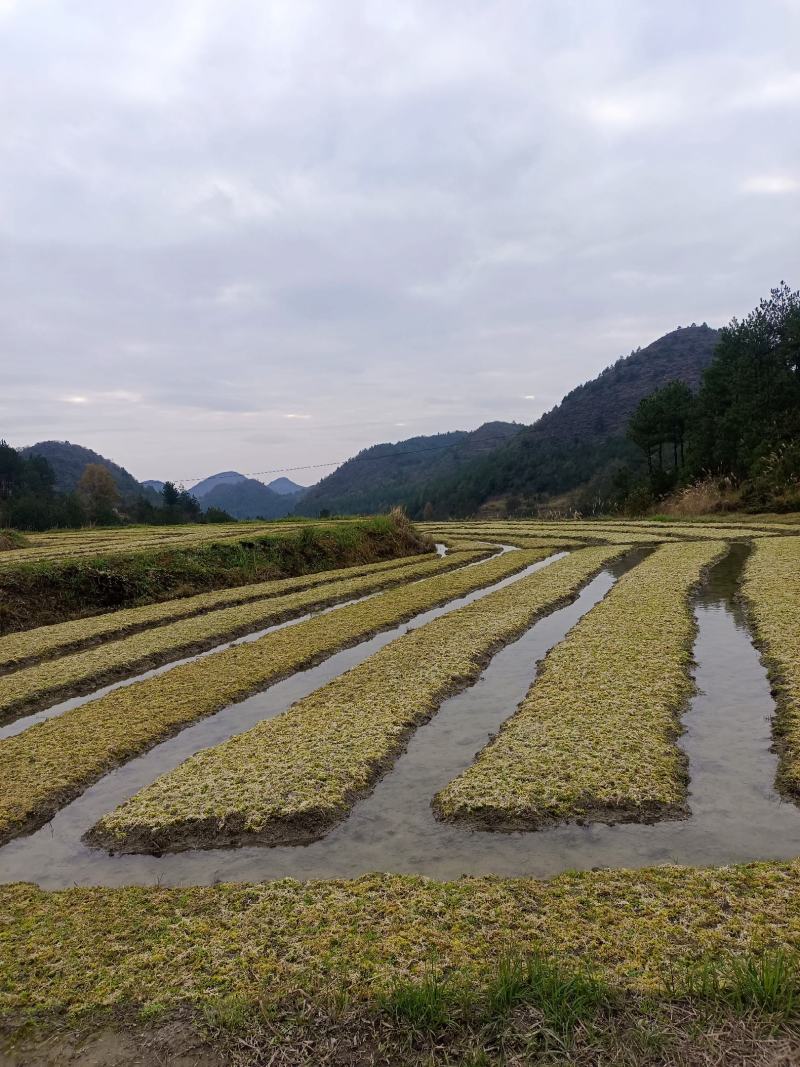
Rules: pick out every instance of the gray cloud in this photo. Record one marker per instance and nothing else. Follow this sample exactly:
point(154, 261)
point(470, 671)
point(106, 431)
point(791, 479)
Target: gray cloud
point(389, 218)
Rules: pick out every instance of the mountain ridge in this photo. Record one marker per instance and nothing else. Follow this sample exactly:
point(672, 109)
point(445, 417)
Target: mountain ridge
point(248, 499)
point(580, 440)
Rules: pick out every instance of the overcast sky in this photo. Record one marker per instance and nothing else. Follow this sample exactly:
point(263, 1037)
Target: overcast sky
point(256, 235)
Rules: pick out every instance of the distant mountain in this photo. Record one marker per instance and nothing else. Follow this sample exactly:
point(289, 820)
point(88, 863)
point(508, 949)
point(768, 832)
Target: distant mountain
point(154, 484)
point(207, 484)
point(248, 499)
point(581, 442)
point(285, 486)
point(69, 462)
point(388, 474)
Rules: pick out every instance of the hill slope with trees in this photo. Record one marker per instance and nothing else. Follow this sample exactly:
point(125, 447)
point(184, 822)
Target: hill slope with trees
point(739, 437)
point(68, 462)
point(580, 443)
point(387, 474)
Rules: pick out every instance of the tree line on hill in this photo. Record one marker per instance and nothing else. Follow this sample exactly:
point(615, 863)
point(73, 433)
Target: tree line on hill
point(29, 499)
point(741, 429)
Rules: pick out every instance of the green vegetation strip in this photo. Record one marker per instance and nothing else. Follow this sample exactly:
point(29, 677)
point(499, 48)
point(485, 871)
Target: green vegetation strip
point(594, 739)
point(35, 686)
point(289, 779)
point(136, 538)
point(80, 951)
point(49, 764)
point(772, 593)
point(30, 645)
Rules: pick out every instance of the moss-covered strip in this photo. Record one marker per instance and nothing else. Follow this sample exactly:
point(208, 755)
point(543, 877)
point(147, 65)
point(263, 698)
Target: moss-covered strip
point(69, 545)
point(604, 530)
point(511, 533)
point(594, 739)
point(52, 762)
point(289, 779)
point(82, 950)
point(19, 648)
point(133, 538)
point(34, 687)
point(772, 592)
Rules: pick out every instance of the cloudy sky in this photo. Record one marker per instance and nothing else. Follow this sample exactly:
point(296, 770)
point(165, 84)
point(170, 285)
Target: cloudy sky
point(262, 234)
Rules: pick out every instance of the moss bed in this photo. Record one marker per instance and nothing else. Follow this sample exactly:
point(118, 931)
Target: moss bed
point(595, 738)
point(289, 779)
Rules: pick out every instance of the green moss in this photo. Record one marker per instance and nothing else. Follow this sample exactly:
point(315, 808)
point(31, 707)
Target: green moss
point(82, 950)
point(34, 686)
point(291, 778)
point(772, 592)
point(18, 648)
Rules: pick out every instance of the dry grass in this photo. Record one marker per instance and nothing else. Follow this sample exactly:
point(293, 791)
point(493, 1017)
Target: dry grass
point(703, 497)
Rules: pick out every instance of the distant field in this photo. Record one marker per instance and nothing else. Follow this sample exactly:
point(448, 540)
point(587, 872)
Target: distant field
point(200, 794)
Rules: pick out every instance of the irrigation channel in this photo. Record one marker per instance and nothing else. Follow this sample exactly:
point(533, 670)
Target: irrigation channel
point(736, 815)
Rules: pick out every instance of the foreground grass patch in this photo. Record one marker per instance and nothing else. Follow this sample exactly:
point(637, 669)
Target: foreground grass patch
point(289, 779)
point(595, 738)
point(52, 762)
point(77, 951)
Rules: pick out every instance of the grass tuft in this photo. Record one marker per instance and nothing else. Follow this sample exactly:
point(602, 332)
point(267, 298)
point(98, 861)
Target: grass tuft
point(230, 1014)
point(425, 1004)
point(564, 998)
point(767, 983)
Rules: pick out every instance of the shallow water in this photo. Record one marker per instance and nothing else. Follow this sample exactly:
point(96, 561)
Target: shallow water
point(736, 815)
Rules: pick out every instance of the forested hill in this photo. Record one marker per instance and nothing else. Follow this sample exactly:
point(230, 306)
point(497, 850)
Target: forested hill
point(387, 474)
point(581, 442)
point(69, 462)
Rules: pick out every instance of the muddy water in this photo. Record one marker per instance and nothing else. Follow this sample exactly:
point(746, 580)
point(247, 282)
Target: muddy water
point(736, 814)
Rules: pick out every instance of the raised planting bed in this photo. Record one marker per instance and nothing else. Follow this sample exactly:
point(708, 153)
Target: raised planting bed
point(45, 641)
point(772, 595)
point(595, 738)
point(289, 779)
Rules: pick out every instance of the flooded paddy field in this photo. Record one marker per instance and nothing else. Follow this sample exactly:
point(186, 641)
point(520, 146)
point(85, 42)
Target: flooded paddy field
point(408, 778)
point(733, 811)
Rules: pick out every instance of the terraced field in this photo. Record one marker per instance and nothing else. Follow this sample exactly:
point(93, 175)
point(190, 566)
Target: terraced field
point(562, 711)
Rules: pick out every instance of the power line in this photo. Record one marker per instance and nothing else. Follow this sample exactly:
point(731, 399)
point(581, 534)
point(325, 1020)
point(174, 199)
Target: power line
point(340, 462)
